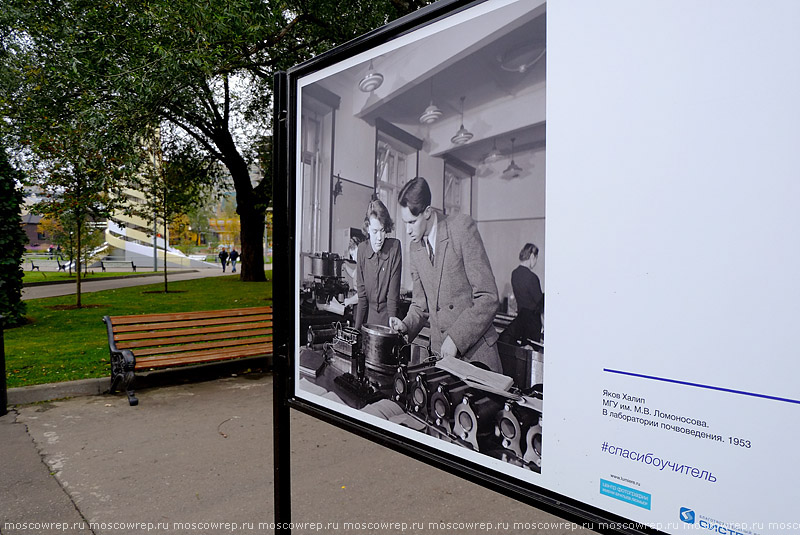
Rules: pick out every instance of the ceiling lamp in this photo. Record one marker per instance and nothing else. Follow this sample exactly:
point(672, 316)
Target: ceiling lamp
point(371, 81)
point(513, 170)
point(523, 58)
point(431, 113)
point(494, 154)
point(463, 135)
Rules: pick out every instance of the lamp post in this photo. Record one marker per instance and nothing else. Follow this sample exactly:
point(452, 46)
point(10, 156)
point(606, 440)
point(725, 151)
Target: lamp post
point(155, 243)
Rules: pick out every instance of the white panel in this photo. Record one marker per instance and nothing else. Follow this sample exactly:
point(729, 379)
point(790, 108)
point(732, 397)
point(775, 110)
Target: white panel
point(672, 232)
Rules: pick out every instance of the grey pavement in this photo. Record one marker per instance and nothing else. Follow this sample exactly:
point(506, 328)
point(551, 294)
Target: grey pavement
point(195, 456)
point(54, 290)
point(192, 457)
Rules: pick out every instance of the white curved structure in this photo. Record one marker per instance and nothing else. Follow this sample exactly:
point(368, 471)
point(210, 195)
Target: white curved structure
point(131, 238)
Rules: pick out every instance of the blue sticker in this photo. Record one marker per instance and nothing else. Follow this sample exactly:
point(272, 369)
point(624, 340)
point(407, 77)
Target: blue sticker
point(625, 494)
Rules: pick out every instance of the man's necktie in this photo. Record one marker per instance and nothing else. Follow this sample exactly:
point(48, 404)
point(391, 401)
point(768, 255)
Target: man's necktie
point(430, 250)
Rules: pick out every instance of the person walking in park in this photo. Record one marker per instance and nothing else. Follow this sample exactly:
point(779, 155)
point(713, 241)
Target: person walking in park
point(223, 258)
point(234, 257)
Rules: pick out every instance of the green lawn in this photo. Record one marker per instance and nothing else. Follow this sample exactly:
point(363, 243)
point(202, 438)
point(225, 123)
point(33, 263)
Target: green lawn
point(49, 276)
point(66, 344)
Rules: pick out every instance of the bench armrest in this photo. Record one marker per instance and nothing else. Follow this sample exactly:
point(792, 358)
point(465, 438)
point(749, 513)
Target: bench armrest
point(112, 346)
point(122, 360)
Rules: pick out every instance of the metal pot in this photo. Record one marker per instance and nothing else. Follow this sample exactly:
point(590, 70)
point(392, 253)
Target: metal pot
point(380, 346)
point(326, 265)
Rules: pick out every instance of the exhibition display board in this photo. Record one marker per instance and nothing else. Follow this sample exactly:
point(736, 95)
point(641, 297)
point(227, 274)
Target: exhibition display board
point(648, 150)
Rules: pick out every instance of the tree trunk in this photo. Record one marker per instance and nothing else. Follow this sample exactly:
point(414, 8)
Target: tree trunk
point(252, 256)
point(78, 265)
point(251, 212)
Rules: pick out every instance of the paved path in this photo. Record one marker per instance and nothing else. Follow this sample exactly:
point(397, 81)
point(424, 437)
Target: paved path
point(53, 290)
point(201, 453)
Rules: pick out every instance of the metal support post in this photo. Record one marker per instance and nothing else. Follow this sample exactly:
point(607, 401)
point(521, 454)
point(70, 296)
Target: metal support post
point(282, 297)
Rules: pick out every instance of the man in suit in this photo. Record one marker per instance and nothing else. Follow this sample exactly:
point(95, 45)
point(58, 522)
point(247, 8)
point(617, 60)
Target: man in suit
point(454, 287)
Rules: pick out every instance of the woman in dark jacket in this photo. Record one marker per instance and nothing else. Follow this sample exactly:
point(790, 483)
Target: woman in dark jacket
point(527, 326)
point(378, 269)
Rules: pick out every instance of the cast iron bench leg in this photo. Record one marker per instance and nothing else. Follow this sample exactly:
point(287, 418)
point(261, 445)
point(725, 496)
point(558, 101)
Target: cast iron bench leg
point(128, 385)
point(120, 364)
point(122, 374)
point(116, 379)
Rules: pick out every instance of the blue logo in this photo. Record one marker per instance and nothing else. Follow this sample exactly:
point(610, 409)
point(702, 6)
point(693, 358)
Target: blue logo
point(687, 515)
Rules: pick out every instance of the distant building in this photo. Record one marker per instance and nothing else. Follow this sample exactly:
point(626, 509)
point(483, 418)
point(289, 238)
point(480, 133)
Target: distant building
point(131, 237)
point(37, 238)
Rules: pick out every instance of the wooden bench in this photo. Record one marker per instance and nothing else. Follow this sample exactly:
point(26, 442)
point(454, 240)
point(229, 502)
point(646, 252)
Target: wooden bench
point(34, 266)
point(154, 341)
point(103, 264)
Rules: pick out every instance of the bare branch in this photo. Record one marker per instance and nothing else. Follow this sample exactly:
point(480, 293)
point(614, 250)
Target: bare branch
point(198, 137)
point(277, 38)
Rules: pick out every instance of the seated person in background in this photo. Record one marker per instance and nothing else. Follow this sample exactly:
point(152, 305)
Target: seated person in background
point(378, 269)
point(530, 299)
point(454, 287)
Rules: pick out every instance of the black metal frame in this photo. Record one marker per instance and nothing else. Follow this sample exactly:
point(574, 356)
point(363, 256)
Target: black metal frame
point(282, 296)
point(123, 364)
point(285, 298)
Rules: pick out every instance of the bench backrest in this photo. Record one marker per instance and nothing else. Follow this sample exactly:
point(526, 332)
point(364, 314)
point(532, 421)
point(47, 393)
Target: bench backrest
point(158, 339)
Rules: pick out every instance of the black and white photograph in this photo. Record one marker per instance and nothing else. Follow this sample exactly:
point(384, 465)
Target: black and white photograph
point(420, 235)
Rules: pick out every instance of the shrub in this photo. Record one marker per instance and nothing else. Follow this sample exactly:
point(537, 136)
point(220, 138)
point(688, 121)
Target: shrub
point(12, 244)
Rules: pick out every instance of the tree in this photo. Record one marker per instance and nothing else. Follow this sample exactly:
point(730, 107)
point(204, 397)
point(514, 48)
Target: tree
point(199, 216)
point(73, 148)
point(63, 234)
point(78, 179)
point(12, 244)
point(205, 67)
point(180, 234)
point(173, 185)
point(231, 234)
